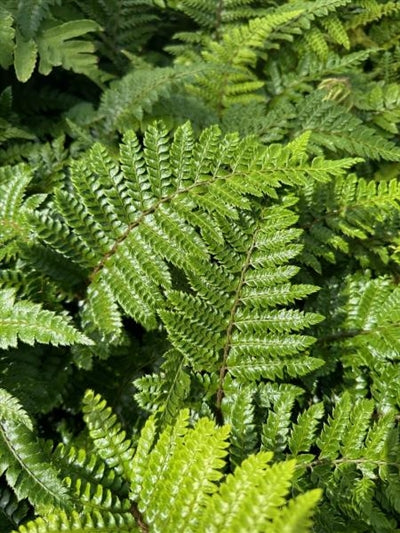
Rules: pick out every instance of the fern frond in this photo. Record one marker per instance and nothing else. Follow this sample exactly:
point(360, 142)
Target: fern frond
point(250, 497)
point(30, 323)
point(296, 517)
point(7, 34)
point(336, 129)
point(174, 208)
point(239, 412)
point(77, 465)
point(230, 79)
point(358, 210)
point(108, 437)
point(13, 184)
point(249, 335)
point(11, 409)
point(195, 461)
point(74, 521)
point(128, 99)
point(23, 462)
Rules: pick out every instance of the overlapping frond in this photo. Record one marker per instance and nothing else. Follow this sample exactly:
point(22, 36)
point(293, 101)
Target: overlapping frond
point(363, 334)
point(339, 216)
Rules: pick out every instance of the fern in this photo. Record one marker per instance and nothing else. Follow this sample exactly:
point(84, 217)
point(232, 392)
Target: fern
point(150, 232)
point(199, 227)
point(168, 470)
point(30, 323)
point(22, 460)
point(56, 45)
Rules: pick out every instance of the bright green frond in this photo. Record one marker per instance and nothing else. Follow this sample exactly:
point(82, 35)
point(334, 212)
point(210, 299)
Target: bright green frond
point(89, 523)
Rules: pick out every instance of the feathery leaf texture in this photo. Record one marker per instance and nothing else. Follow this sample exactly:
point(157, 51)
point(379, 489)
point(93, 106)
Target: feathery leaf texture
point(184, 467)
point(160, 205)
point(22, 460)
point(30, 323)
point(199, 220)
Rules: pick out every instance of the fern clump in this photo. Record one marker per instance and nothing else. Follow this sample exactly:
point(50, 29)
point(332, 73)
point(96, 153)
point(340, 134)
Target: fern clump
point(199, 266)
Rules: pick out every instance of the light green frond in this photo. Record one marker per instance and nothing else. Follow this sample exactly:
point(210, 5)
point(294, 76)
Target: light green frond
point(296, 517)
point(250, 496)
point(238, 411)
point(75, 522)
point(230, 79)
point(142, 455)
point(193, 470)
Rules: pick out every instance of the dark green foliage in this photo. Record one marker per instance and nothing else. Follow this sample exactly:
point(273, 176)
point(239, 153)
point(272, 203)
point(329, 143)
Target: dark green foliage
point(199, 278)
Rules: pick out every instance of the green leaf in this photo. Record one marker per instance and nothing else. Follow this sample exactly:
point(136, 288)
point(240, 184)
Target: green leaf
point(25, 54)
point(7, 34)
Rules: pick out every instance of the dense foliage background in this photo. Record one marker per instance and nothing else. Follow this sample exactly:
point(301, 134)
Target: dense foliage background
point(200, 258)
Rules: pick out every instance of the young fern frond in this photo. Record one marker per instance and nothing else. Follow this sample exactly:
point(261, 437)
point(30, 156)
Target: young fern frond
point(74, 521)
point(230, 79)
point(184, 469)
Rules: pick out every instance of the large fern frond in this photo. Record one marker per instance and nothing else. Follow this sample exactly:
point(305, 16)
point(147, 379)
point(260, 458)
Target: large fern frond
point(161, 204)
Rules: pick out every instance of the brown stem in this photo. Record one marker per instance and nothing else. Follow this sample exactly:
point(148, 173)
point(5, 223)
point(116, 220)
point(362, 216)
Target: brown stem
point(218, 19)
point(229, 329)
point(144, 528)
point(345, 460)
